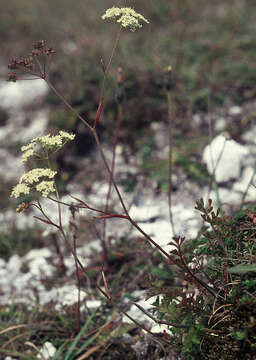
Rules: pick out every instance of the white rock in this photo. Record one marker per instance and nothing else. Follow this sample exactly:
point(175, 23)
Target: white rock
point(11, 166)
point(145, 211)
point(235, 110)
point(21, 93)
point(225, 157)
point(98, 194)
point(141, 317)
point(14, 264)
point(226, 196)
point(51, 209)
point(21, 281)
point(68, 295)
point(93, 304)
point(4, 277)
point(37, 263)
point(46, 297)
point(220, 124)
point(243, 184)
point(36, 127)
point(71, 298)
point(250, 135)
point(40, 266)
point(185, 220)
point(47, 351)
point(38, 253)
point(197, 119)
point(159, 328)
point(2, 263)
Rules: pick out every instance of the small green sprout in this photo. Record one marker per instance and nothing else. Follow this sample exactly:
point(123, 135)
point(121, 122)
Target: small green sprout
point(127, 17)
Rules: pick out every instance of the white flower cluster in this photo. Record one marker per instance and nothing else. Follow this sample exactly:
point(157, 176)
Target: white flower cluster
point(127, 17)
point(40, 179)
point(35, 178)
point(48, 142)
point(34, 175)
point(45, 187)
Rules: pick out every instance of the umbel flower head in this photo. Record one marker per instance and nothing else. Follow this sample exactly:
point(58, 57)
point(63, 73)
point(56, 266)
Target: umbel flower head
point(40, 179)
point(47, 142)
point(127, 17)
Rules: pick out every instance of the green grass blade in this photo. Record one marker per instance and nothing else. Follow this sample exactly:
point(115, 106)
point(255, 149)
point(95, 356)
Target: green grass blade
point(59, 351)
point(242, 269)
point(77, 338)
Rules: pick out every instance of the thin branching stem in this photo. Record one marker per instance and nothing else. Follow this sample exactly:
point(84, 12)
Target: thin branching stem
point(185, 267)
point(170, 187)
point(118, 122)
point(160, 322)
point(109, 63)
point(67, 104)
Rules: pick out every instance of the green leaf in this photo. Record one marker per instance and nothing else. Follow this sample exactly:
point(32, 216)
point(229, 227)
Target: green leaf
point(242, 269)
point(241, 335)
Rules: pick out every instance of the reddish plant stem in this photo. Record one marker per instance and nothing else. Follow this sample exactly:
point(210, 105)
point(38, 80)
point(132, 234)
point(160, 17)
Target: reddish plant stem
point(119, 117)
point(78, 315)
point(94, 132)
point(67, 104)
point(170, 125)
point(185, 267)
point(220, 241)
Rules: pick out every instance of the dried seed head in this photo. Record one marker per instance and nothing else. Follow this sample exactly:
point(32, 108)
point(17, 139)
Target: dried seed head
point(39, 44)
point(168, 80)
point(12, 77)
point(49, 51)
point(34, 64)
point(22, 207)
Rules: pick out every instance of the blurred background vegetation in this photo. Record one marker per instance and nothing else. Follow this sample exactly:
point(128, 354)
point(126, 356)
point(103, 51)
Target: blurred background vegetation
point(210, 45)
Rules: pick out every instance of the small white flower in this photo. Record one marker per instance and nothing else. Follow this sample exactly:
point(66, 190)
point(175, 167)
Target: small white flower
point(47, 142)
point(40, 179)
point(35, 179)
point(34, 175)
point(66, 136)
point(20, 189)
point(50, 141)
point(29, 146)
point(45, 187)
point(27, 154)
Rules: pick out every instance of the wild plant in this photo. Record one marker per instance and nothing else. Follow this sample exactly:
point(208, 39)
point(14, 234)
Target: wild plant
point(211, 294)
point(41, 180)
